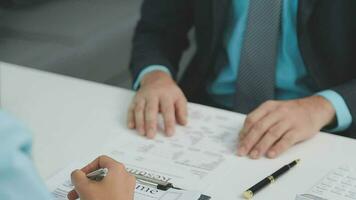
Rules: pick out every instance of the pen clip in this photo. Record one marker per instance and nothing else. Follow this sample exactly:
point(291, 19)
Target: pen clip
point(98, 175)
point(161, 185)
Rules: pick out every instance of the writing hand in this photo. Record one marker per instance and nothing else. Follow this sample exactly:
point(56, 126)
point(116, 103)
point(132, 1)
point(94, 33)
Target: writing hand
point(118, 184)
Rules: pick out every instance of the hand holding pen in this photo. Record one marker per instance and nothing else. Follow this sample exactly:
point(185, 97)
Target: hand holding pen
point(117, 177)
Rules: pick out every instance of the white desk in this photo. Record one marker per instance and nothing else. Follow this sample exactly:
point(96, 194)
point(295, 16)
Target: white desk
point(62, 111)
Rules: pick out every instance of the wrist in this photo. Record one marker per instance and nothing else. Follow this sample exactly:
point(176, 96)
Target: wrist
point(325, 111)
point(155, 76)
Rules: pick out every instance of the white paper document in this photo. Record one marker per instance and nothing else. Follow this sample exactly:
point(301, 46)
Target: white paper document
point(60, 185)
point(197, 156)
point(339, 184)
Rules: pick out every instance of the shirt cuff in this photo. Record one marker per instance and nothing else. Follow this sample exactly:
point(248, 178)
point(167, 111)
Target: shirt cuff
point(147, 70)
point(343, 114)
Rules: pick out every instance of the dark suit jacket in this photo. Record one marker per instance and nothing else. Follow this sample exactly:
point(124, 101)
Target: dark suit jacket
point(326, 35)
point(14, 3)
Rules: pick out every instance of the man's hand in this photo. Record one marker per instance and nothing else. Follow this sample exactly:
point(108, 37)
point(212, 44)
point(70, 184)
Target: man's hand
point(118, 184)
point(277, 125)
point(158, 93)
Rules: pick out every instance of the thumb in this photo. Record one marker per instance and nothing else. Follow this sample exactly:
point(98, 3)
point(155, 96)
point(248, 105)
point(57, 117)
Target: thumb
point(79, 179)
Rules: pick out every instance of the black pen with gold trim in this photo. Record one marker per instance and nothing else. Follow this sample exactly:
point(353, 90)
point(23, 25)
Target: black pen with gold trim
point(248, 194)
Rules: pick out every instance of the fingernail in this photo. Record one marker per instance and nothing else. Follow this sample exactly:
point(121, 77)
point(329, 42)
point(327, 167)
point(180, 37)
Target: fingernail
point(185, 121)
point(271, 154)
point(170, 132)
point(141, 131)
point(130, 125)
point(254, 154)
point(151, 131)
point(241, 151)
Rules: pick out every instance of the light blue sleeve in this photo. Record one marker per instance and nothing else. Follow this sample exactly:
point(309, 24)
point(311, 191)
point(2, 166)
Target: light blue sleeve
point(147, 70)
point(343, 115)
point(18, 178)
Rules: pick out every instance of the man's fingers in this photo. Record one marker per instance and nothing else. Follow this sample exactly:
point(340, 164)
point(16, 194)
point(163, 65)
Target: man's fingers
point(72, 195)
point(168, 113)
point(255, 134)
point(131, 117)
point(181, 111)
point(139, 116)
point(256, 116)
point(288, 140)
point(272, 135)
point(151, 112)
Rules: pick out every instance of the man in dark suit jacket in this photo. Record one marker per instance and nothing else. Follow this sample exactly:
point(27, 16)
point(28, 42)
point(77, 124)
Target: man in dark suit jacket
point(311, 87)
point(17, 2)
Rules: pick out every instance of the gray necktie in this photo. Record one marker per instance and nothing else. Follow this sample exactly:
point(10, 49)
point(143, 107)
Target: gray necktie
point(256, 76)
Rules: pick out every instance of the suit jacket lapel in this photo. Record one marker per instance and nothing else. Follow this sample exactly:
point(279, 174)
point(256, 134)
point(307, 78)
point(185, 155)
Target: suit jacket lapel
point(305, 10)
point(220, 10)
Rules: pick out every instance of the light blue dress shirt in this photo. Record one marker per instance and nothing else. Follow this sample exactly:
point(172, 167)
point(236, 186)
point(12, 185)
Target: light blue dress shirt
point(292, 78)
point(18, 178)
